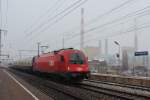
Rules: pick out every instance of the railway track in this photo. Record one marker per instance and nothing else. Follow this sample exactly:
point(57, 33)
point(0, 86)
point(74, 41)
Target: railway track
point(74, 93)
point(122, 85)
point(87, 90)
point(120, 90)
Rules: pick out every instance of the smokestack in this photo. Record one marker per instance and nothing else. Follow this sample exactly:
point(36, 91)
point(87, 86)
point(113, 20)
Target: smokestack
point(135, 36)
point(106, 47)
point(100, 48)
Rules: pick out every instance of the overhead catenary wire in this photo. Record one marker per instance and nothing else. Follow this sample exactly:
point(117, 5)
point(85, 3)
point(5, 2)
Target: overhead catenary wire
point(136, 13)
point(43, 15)
point(143, 26)
point(111, 22)
point(59, 19)
point(107, 13)
point(1, 14)
point(95, 28)
point(116, 20)
point(54, 17)
point(57, 5)
point(147, 12)
point(65, 14)
point(117, 7)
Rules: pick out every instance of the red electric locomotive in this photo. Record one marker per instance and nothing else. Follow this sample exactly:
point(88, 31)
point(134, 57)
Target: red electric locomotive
point(68, 63)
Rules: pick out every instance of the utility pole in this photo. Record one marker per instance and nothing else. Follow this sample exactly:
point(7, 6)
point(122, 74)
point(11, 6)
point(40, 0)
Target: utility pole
point(82, 29)
point(1, 41)
point(1, 30)
point(135, 35)
point(100, 48)
point(135, 44)
point(38, 48)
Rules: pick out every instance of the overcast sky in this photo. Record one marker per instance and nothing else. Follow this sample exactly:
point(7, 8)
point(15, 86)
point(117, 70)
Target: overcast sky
point(32, 21)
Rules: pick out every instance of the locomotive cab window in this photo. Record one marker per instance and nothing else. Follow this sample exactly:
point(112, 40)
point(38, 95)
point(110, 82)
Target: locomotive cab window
point(76, 58)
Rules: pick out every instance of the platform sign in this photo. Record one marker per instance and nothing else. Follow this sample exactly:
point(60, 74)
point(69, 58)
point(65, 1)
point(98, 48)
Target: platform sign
point(141, 53)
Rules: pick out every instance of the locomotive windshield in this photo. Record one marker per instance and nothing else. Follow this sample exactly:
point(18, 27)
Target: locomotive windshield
point(76, 58)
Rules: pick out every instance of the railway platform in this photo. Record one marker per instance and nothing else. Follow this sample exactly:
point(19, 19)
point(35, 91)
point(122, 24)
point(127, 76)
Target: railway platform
point(128, 80)
point(12, 89)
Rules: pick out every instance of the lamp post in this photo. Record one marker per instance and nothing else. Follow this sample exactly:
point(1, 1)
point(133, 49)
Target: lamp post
point(118, 55)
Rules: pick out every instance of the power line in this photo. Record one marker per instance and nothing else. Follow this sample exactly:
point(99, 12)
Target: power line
point(97, 27)
point(57, 5)
point(43, 15)
point(57, 20)
point(54, 17)
point(128, 15)
point(119, 6)
point(129, 29)
point(66, 14)
point(120, 33)
point(113, 21)
point(109, 12)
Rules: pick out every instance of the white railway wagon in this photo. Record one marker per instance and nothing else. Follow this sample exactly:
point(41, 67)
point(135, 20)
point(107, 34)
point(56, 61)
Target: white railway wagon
point(23, 63)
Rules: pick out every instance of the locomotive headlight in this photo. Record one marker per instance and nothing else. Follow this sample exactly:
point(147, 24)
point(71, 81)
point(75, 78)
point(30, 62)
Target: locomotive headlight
point(68, 68)
point(79, 69)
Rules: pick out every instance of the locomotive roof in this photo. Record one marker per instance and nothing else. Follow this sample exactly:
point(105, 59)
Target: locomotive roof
point(57, 51)
point(63, 49)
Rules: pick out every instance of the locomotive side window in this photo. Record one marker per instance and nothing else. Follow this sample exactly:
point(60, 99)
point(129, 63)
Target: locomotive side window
point(76, 58)
point(62, 58)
